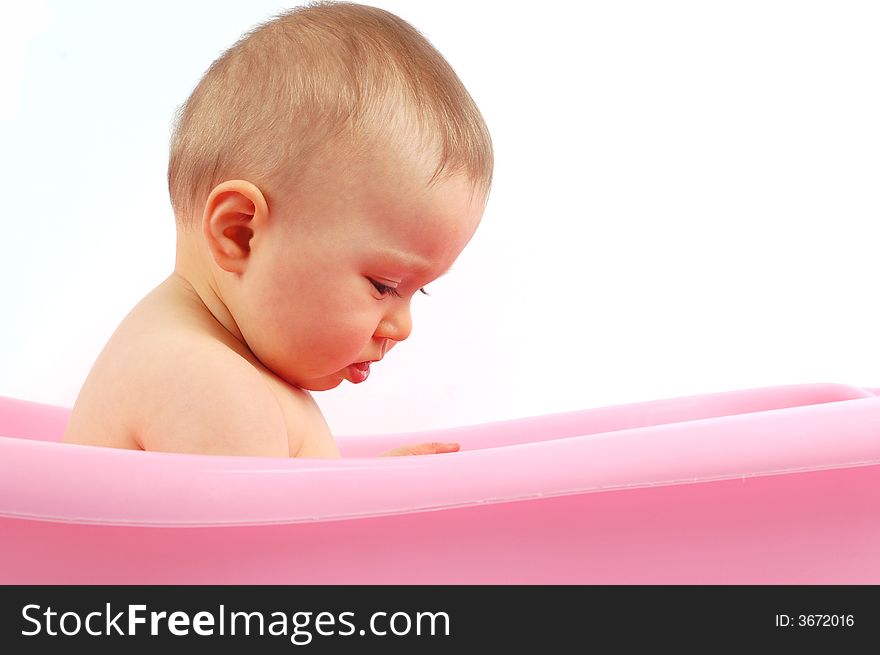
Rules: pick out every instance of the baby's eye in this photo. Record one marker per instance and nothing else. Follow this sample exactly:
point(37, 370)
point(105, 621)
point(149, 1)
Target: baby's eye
point(384, 289)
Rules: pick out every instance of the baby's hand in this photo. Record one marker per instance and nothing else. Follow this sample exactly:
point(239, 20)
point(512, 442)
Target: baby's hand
point(424, 449)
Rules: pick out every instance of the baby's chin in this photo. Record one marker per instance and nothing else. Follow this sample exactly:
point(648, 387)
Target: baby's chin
point(323, 384)
point(319, 384)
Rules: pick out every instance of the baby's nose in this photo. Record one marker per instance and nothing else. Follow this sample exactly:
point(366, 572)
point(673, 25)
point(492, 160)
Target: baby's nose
point(396, 324)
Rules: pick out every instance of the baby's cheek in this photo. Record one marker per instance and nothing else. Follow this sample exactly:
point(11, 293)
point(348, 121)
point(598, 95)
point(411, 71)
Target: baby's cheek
point(315, 347)
point(352, 332)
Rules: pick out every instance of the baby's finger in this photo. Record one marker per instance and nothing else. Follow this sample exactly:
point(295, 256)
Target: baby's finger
point(444, 447)
point(434, 447)
point(430, 448)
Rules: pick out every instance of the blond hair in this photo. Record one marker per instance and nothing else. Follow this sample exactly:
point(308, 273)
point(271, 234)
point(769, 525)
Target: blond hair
point(312, 73)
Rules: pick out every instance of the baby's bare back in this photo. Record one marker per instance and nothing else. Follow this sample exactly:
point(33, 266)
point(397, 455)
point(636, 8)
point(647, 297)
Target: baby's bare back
point(173, 379)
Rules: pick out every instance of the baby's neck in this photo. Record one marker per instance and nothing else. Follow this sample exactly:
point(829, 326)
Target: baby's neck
point(193, 278)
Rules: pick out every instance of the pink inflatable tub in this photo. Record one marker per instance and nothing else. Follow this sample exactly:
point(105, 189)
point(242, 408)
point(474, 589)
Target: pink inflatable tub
point(761, 486)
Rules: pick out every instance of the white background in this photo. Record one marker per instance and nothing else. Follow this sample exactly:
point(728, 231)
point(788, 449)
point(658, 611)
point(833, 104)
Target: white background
point(685, 199)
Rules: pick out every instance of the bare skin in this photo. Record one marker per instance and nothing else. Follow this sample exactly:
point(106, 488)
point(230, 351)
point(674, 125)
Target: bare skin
point(266, 305)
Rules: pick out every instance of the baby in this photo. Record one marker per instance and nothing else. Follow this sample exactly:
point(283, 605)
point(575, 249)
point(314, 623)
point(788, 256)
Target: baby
point(324, 170)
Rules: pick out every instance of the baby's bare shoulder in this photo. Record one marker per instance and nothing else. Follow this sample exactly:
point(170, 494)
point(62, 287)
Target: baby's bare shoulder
point(203, 397)
point(172, 379)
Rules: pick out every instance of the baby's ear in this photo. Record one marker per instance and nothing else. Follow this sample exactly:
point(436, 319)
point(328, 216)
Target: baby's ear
point(233, 211)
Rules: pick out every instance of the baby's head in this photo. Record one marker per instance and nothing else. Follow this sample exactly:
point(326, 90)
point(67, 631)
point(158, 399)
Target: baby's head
point(325, 169)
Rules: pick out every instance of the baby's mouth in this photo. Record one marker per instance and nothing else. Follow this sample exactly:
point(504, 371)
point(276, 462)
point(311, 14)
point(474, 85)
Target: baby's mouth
point(359, 372)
